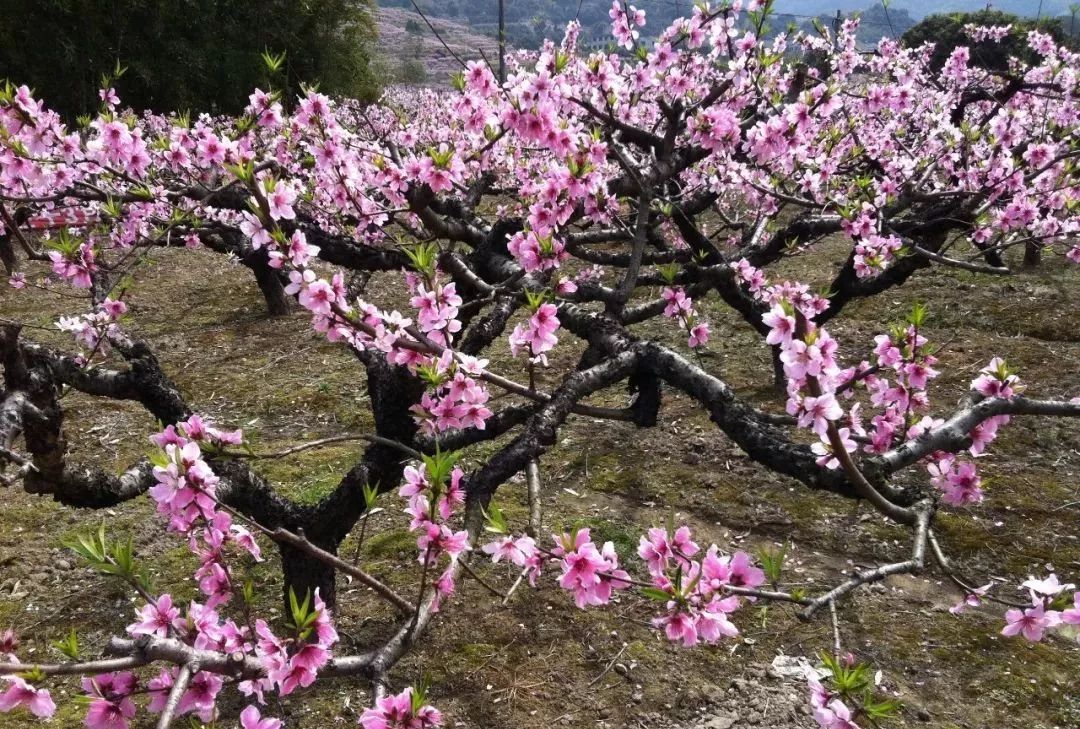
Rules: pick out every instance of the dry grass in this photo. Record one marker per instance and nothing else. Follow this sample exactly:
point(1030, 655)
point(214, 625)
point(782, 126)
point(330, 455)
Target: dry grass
point(530, 664)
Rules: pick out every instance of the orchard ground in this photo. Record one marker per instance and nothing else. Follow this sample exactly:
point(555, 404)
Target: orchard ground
point(539, 661)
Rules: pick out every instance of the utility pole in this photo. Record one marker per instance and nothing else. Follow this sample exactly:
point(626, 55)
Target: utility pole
point(502, 41)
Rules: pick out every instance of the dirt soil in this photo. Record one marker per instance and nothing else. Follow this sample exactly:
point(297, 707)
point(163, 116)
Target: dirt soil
point(538, 661)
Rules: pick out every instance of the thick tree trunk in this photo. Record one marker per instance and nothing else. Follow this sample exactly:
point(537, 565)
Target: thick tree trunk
point(779, 378)
point(304, 574)
point(7, 253)
point(1032, 254)
point(278, 303)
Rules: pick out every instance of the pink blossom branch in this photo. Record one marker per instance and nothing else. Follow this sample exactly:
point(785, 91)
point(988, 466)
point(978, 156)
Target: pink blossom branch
point(862, 486)
point(955, 434)
point(147, 649)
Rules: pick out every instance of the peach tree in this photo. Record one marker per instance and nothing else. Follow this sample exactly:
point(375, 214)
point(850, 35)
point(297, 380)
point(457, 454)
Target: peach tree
point(588, 194)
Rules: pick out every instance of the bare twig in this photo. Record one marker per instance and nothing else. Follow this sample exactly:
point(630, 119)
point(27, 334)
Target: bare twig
point(11, 225)
point(432, 27)
point(483, 583)
point(329, 441)
point(514, 586)
point(922, 526)
point(608, 666)
point(183, 678)
point(106, 665)
point(964, 584)
point(532, 481)
point(835, 628)
point(945, 261)
point(284, 536)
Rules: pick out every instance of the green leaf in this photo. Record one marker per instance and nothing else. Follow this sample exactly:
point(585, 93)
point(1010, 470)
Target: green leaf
point(439, 467)
point(423, 256)
point(273, 62)
point(655, 593)
point(879, 709)
point(33, 675)
point(158, 458)
point(535, 299)
point(917, 316)
point(68, 645)
point(494, 520)
point(772, 562)
point(668, 272)
point(371, 495)
point(302, 614)
point(419, 694)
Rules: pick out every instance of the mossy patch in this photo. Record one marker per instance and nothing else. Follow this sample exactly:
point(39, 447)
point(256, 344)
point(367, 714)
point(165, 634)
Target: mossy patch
point(622, 534)
point(390, 543)
point(310, 475)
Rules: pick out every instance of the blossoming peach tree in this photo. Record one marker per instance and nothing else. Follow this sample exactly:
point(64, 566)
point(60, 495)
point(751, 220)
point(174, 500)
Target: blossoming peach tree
point(586, 194)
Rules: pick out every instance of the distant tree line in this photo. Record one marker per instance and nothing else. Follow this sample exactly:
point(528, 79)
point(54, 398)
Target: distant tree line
point(201, 55)
point(946, 31)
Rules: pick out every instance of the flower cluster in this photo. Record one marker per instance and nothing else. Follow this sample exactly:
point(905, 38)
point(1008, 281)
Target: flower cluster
point(406, 710)
point(589, 573)
point(455, 398)
point(294, 662)
point(681, 308)
point(521, 551)
point(983, 33)
point(1051, 609)
point(623, 22)
point(875, 253)
point(536, 335)
point(434, 494)
point(813, 376)
point(437, 310)
point(536, 253)
point(76, 265)
point(92, 331)
point(698, 594)
point(830, 711)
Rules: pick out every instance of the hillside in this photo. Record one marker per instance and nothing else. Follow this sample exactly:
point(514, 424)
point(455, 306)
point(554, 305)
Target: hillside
point(405, 41)
point(405, 37)
point(531, 21)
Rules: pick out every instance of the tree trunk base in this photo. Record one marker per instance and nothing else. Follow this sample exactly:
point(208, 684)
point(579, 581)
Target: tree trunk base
point(304, 575)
